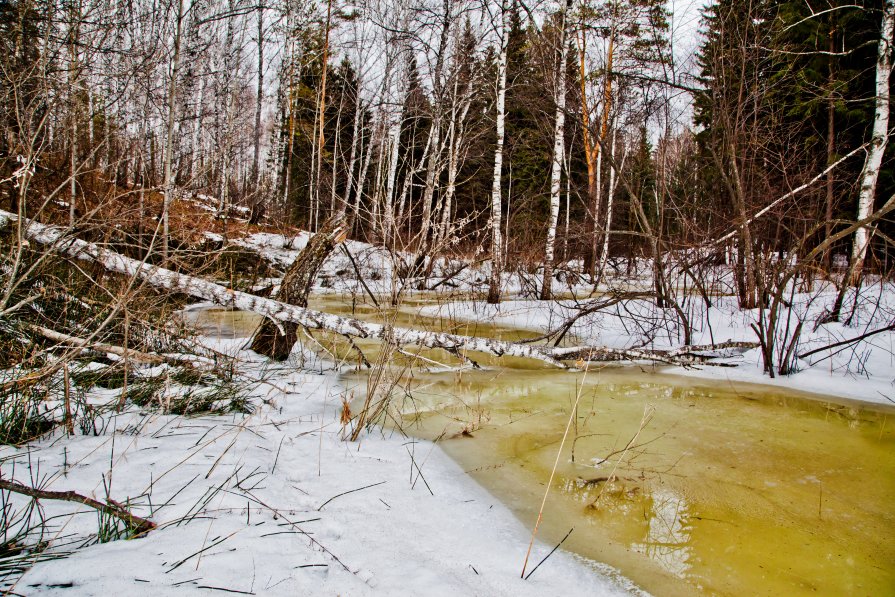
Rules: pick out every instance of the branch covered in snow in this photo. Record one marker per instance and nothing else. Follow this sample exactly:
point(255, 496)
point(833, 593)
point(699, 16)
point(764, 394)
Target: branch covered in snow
point(317, 320)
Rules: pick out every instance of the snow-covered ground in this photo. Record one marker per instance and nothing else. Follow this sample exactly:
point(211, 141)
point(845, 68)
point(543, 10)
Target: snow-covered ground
point(276, 503)
point(864, 371)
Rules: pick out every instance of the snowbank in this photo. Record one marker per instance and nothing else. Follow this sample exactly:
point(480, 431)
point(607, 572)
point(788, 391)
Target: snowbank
point(275, 503)
point(864, 372)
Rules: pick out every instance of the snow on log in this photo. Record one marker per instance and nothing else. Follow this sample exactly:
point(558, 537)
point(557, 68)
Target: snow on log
point(317, 320)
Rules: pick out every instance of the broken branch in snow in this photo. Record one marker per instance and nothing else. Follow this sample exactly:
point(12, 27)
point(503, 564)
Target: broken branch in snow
point(139, 526)
point(349, 327)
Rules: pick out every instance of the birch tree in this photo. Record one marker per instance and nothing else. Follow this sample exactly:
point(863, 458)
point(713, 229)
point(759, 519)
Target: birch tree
point(169, 129)
point(558, 152)
point(496, 203)
point(878, 142)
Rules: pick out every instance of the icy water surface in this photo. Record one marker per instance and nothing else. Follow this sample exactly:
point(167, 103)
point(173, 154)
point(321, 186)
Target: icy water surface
point(725, 490)
point(686, 486)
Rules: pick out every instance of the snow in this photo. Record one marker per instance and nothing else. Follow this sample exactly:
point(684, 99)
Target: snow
point(211, 204)
point(278, 503)
point(258, 493)
point(864, 372)
point(375, 264)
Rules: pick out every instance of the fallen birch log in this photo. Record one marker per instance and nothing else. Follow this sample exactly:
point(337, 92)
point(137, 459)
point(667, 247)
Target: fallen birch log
point(135, 355)
point(317, 320)
point(685, 355)
point(147, 358)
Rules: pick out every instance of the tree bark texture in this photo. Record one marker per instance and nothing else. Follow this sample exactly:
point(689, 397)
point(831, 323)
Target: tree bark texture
point(276, 340)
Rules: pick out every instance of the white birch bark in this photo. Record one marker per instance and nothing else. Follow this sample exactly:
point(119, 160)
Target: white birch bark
point(454, 140)
point(435, 165)
point(74, 40)
point(412, 172)
point(172, 118)
point(227, 142)
point(355, 137)
point(559, 134)
point(870, 173)
point(197, 129)
point(394, 141)
point(362, 177)
point(496, 257)
point(388, 206)
point(613, 182)
point(259, 99)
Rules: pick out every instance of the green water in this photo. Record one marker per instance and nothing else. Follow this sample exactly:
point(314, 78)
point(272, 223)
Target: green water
point(726, 490)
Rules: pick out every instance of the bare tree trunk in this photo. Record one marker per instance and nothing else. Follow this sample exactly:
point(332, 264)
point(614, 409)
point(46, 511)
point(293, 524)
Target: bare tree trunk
point(259, 100)
point(74, 35)
point(589, 157)
point(362, 179)
point(872, 163)
point(613, 182)
point(745, 267)
point(276, 340)
point(496, 257)
point(290, 100)
point(356, 135)
point(565, 238)
point(593, 146)
point(434, 166)
point(870, 174)
point(321, 118)
point(559, 136)
point(388, 206)
point(456, 138)
point(335, 168)
point(831, 148)
point(169, 138)
point(226, 136)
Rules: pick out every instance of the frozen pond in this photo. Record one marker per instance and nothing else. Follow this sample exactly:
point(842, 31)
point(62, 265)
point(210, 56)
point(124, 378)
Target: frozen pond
point(685, 486)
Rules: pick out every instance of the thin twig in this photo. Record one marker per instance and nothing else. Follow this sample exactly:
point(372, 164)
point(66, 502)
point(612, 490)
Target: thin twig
point(550, 554)
point(347, 492)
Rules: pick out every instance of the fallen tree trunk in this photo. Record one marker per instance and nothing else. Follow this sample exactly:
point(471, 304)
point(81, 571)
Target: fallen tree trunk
point(281, 312)
point(276, 340)
point(138, 356)
point(686, 355)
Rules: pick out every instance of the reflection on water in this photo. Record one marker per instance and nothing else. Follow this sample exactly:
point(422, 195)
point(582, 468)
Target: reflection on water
point(220, 322)
point(668, 535)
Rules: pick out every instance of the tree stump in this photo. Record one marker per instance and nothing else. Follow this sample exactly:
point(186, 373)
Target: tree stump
point(296, 285)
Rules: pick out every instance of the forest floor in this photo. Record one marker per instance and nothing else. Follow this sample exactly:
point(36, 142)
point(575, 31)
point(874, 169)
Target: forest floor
point(277, 502)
